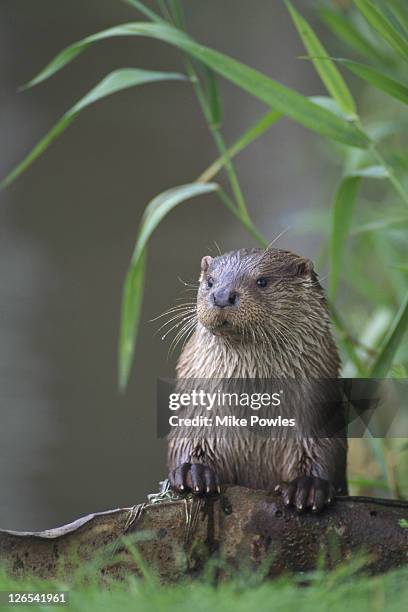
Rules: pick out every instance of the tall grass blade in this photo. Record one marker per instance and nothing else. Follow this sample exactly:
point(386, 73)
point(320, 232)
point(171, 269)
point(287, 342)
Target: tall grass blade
point(39, 148)
point(272, 93)
point(327, 70)
point(343, 208)
point(142, 8)
point(400, 11)
point(156, 210)
point(112, 83)
point(388, 349)
point(213, 97)
point(178, 14)
point(254, 132)
point(331, 105)
point(381, 224)
point(132, 297)
point(344, 29)
point(123, 79)
point(342, 213)
point(378, 79)
point(383, 26)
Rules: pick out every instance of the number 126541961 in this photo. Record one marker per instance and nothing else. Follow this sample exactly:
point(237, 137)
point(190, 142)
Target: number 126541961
point(33, 598)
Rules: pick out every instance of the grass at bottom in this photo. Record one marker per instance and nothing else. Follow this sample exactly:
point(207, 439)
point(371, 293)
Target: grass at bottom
point(337, 590)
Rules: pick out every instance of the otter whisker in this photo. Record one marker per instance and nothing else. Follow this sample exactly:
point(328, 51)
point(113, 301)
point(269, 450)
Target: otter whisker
point(282, 233)
point(178, 308)
point(175, 325)
point(217, 247)
point(186, 283)
point(173, 309)
point(180, 318)
point(185, 290)
point(183, 297)
point(186, 327)
point(210, 249)
point(286, 334)
point(188, 334)
point(270, 245)
point(181, 331)
point(185, 303)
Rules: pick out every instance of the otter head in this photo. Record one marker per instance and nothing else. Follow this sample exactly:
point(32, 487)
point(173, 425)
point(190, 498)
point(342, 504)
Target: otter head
point(252, 294)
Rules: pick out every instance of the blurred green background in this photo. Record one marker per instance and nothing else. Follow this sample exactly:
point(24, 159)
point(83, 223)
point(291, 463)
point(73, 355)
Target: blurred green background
point(70, 444)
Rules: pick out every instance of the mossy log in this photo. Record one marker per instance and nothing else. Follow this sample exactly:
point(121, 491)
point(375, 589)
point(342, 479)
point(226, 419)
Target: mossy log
point(242, 527)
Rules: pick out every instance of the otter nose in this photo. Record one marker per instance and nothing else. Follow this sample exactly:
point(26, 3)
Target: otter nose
point(224, 297)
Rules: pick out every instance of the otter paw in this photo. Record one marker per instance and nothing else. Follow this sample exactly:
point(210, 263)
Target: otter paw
point(306, 492)
point(195, 478)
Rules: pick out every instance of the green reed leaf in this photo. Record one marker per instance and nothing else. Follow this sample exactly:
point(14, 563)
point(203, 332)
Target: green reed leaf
point(342, 213)
point(327, 70)
point(132, 297)
point(112, 83)
point(383, 26)
point(142, 8)
point(344, 29)
point(254, 132)
point(378, 79)
point(343, 208)
point(400, 10)
point(380, 224)
point(393, 339)
point(272, 93)
point(213, 96)
point(154, 213)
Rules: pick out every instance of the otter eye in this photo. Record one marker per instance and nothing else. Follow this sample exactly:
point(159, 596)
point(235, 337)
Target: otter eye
point(210, 281)
point(262, 282)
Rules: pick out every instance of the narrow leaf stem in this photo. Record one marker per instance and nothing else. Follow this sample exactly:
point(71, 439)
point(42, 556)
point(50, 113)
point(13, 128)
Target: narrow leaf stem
point(164, 10)
point(232, 175)
point(239, 145)
point(178, 15)
point(245, 220)
point(218, 139)
point(143, 9)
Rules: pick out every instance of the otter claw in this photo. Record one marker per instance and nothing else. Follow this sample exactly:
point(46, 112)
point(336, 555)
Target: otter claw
point(195, 478)
point(306, 492)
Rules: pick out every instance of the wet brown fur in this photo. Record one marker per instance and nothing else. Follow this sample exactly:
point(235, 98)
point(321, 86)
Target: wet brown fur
point(280, 331)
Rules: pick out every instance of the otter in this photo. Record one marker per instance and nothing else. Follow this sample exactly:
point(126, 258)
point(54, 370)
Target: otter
point(260, 314)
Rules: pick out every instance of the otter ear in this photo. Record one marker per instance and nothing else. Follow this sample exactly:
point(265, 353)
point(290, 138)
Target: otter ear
point(304, 267)
point(205, 263)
